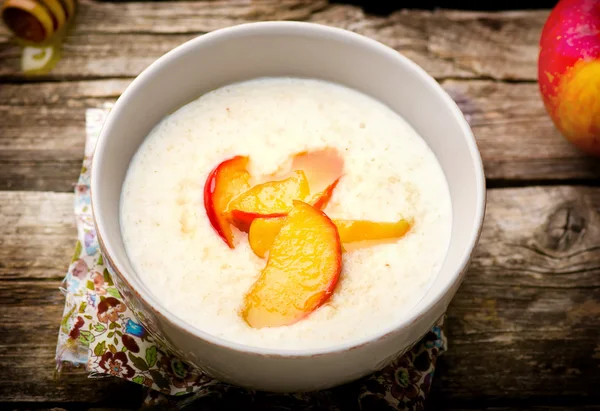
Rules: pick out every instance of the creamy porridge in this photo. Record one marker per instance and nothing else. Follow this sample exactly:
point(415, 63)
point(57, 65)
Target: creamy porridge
point(389, 173)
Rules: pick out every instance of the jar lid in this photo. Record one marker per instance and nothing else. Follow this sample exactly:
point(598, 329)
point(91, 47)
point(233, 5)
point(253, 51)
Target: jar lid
point(36, 21)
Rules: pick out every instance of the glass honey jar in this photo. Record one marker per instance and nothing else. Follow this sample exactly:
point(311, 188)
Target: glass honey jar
point(40, 27)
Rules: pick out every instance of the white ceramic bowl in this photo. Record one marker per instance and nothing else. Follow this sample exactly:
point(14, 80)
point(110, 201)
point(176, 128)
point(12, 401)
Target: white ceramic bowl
point(301, 50)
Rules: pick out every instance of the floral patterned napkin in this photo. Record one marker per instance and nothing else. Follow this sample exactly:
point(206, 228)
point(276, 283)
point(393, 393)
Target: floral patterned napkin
point(99, 331)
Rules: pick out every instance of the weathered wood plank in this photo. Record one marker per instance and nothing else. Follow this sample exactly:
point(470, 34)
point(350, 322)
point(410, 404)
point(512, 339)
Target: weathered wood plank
point(42, 132)
point(525, 323)
point(530, 305)
point(43, 128)
point(501, 46)
point(37, 236)
point(515, 135)
point(120, 40)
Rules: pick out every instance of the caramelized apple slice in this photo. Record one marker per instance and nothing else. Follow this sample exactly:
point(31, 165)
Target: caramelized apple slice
point(361, 230)
point(263, 231)
point(303, 268)
point(271, 199)
point(321, 199)
point(226, 181)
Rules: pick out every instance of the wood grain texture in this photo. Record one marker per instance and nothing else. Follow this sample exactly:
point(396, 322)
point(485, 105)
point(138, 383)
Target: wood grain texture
point(41, 135)
point(43, 128)
point(120, 40)
point(515, 135)
point(42, 132)
point(524, 324)
point(37, 236)
point(526, 321)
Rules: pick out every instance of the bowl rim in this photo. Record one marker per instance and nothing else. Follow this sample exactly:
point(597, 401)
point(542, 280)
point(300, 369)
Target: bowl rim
point(275, 26)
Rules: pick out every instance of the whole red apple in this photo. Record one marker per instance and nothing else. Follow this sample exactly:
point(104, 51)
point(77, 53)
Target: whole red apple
point(569, 71)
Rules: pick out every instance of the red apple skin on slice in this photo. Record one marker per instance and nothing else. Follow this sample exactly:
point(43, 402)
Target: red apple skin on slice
point(270, 199)
point(243, 220)
point(262, 234)
point(223, 183)
point(320, 200)
point(304, 266)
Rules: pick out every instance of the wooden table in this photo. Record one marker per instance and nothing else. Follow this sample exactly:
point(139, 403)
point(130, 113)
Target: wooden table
point(524, 329)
